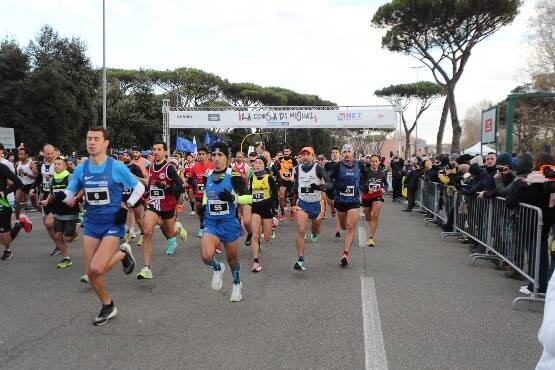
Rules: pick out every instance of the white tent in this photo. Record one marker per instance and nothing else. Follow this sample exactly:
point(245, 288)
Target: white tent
point(475, 149)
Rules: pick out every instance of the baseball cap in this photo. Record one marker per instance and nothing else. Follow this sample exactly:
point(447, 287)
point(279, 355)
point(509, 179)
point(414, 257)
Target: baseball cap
point(308, 149)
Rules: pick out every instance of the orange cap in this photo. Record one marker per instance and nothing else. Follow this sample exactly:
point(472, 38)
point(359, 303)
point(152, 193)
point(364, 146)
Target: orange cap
point(307, 149)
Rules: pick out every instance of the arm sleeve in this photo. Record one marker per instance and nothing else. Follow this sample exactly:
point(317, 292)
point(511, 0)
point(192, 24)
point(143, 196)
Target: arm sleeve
point(273, 191)
point(8, 174)
point(177, 187)
point(138, 191)
point(295, 189)
point(239, 185)
point(323, 174)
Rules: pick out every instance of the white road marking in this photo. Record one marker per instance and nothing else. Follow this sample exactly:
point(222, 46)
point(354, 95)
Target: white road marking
point(375, 358)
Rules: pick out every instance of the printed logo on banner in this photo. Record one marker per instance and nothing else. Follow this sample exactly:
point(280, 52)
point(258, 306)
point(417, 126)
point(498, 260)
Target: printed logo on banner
point(184, 116)
point(213, 117)
point(350, 116)
point(380, 115)
point(489, 125)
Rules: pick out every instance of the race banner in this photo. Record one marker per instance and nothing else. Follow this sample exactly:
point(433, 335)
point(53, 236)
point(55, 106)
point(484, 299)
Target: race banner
point(7, 137)
point(376, 118)
point(489, 129)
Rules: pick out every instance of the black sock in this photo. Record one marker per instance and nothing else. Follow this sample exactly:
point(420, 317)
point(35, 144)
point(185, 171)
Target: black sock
point(109, 305)
point(15, 230)
point(256, 260)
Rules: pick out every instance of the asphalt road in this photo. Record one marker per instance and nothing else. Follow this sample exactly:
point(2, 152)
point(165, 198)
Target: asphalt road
point(424, 308)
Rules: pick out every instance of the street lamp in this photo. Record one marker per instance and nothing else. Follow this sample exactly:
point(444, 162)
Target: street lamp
point(416, 111)
point(104, 64)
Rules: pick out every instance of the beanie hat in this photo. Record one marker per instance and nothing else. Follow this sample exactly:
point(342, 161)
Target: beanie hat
point(478, 160)
point(474, 169)
point(219, 147)
point(444, 160)
point(505, 159)
point(524, 164)
point(454, 157)
point(465, 158)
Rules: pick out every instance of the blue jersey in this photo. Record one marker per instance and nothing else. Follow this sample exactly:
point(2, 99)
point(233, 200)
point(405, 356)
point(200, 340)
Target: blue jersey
point(103, 186)
point(215, 208)
point(348, 177)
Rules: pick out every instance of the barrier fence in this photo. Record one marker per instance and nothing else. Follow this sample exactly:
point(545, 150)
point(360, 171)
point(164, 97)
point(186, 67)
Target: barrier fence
point(509, 235)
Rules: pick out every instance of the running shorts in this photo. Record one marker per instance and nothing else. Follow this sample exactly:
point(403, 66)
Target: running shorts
point(344, 207)
point(227, 230)
point(312, 209)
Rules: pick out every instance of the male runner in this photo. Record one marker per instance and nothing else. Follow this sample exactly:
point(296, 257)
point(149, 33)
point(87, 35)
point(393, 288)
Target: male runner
point(7, 232)
point(27, 171)
point(223, 190)
point(309, 181)
point(245, 211)
point(347, 175)
point(164, 188)
point(103, 180)
point(335, 156)
point(136, 215)
point(189, 163)
point(141, 162)
point(285, 171)
point(372, 196)
point(263, 189)
point(196, 176)
point(65, 215)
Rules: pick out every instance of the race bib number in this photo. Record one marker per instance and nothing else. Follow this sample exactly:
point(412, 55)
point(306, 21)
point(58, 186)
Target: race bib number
point(306, 190)
point(46, 186)
point(373, 188)
point(349, 192)
point(218, 207)
point(286, 174)
point(97, 196)
point(257, 196)
point(157, 194)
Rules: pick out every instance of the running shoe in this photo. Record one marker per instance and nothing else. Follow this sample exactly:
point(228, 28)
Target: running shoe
point(77, 237)
point(192, 213)
point(85, 279)
point(132, 235)
point(314, 238)
point(128, 261)
point(344, 262)
point(236, 295)
point(8, 255)
point(248, 241)
point(305, 236)
point(27, 225)
point(144, 274)
point(200, 233)
point(337, 234)
point(275, 222)
point(217, 278)
point(107, 312)
point(273, 236)
point(299, 266)
point(370, 242)
point(281, 218)
point(182, 232)
point(256, 267)
point(64, 263)
point(140, 241)
point(524, 290)
point(170, 248)
point(55, 252)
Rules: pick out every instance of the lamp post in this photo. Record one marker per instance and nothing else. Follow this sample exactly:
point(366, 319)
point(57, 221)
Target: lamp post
point(416, 111)
point(242, 141)
point(104, 64)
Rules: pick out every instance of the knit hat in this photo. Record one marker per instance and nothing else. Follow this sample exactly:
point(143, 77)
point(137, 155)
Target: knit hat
point(524, 164)
point(478, 160)
point(454, 157)
point(474, 169)
point(465, 158)
point(219, 147)
point(505, 159)
point(444, 160)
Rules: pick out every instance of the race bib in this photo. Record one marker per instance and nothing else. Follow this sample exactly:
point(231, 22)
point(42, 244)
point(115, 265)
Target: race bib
point(97, 196)
point(306, 190)
point(157, 194)
point(257, 196)
point(218, 207)
point(286, 174)
point(349, 192)
point(373, 188)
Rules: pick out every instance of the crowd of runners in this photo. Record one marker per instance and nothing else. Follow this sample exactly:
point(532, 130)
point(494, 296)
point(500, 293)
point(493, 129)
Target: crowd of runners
point(111, 201)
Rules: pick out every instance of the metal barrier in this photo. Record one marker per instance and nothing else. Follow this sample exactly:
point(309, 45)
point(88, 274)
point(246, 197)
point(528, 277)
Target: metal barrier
point(511, 236)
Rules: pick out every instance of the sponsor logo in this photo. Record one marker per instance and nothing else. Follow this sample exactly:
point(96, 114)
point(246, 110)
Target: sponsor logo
point(489, 125)
point(88, 177)
point(349, 116)
point(184, 116)
point(213, 117)
point(162, 176)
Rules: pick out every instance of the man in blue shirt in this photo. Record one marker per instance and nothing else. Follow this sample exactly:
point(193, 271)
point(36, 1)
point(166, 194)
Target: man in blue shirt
point(103, 180)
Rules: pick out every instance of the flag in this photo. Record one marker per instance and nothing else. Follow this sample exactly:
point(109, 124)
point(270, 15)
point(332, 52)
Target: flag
point(210, 139)
point(195, 144)
point(184, 145)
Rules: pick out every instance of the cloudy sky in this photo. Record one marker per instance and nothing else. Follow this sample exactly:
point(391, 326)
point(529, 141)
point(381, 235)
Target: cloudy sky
point(323, 47)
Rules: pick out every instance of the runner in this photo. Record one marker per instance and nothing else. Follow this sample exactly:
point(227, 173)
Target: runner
point(285, 171)
point(103, 180)
point(141, 162)
point(335, 156)
point(309, 181)
point(196, 176)
point(164, 188)
point(137, 215)
point(7, 232)
point(27, 171)
point(65, 215)
point(245, 211)
point(372, 196)
point(223, 190)
point(347, 175)
point(189, 163)
point(264, 193)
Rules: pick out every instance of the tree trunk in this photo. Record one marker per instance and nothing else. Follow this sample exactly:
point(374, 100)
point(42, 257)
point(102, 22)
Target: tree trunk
point(407, 144)
point(442, 121)
point(455, 124)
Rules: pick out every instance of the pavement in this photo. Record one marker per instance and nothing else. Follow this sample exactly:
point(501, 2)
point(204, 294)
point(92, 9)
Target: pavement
point(412, 302)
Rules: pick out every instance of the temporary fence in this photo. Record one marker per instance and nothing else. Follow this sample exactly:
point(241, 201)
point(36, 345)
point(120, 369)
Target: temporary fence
point(509, 235)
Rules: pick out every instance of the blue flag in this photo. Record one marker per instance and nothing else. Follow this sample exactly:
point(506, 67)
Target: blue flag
point(210, 139)
point(184, 145)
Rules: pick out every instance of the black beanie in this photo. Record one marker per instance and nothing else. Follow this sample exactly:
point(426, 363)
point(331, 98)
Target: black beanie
point(219, 147)
point(474, 169)
point(524, 164)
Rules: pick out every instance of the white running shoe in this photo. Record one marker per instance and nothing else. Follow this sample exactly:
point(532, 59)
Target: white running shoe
point(192, 213)
point(236, 295)
point(217, 278)
point(524, 290)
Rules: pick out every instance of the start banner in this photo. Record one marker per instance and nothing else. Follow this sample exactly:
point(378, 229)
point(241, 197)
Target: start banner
point(377, 118)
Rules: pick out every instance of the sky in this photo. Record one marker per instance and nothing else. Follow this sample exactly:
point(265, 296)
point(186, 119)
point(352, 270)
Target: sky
point(322, 47)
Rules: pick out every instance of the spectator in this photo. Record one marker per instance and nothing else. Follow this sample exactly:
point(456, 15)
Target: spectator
point(411, 183)
point(397, 165)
